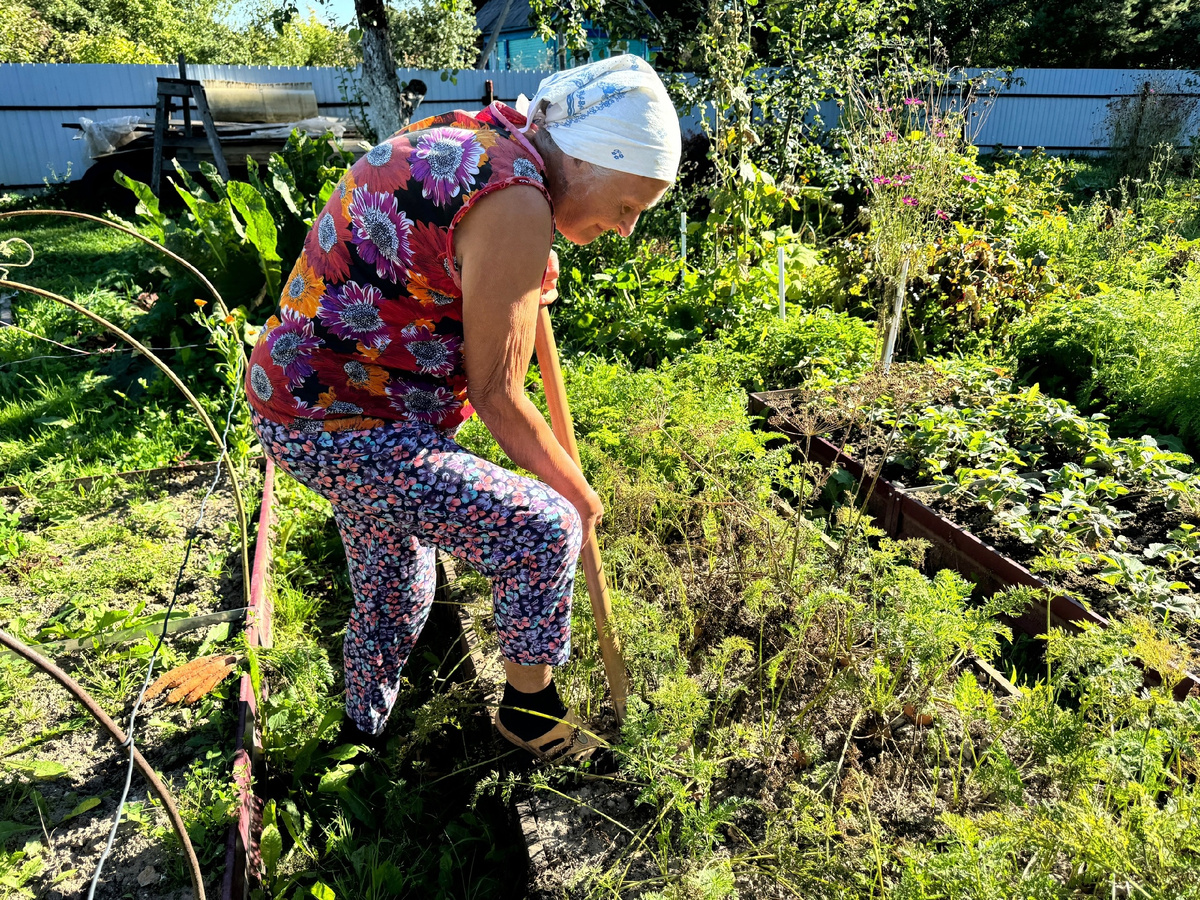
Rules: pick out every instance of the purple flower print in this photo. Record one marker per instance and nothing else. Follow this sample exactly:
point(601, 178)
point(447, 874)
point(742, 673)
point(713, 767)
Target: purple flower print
point(380, 230)
point(291, 343)
point(425, 404)
point(351, 311)
point(436, 354)
point(446, 160)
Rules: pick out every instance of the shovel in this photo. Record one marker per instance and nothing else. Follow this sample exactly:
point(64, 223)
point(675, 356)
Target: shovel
point(597, 588)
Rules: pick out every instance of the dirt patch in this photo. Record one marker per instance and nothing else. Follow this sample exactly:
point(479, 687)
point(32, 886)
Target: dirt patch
point(85, 561)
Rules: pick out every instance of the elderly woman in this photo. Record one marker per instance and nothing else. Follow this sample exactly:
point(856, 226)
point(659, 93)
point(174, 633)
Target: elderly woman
point(412, 305)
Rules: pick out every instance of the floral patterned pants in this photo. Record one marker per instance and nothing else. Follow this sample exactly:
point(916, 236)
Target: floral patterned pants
point(402, 490)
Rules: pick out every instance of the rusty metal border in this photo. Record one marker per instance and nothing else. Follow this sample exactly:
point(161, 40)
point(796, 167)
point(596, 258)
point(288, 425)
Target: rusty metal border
point(902, 515)
point(243, 858)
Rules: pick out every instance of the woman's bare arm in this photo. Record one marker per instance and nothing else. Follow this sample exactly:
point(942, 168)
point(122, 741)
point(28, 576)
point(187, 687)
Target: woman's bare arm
point(503, 244)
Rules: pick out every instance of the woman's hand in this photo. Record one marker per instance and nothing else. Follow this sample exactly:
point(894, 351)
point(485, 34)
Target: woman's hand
point(591, 511)
point(550, 280)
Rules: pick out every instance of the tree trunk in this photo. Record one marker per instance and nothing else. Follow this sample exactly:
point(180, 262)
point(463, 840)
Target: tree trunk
point(491, 44)
point(380, 84)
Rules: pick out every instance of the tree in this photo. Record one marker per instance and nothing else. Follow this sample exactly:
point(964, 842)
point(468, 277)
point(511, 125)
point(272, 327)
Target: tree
point(25, 37)
point(150, 31)
point(1064, 33)
point(434, 34)
point(380, 83)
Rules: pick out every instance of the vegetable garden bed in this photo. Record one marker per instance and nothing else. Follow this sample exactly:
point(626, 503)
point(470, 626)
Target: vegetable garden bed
point(88, 571)
point(1110, 525)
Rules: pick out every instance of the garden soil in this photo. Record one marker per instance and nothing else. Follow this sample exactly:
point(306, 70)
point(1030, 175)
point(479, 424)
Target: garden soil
point(887, 779)
point(69, 808)
point(1150, 521)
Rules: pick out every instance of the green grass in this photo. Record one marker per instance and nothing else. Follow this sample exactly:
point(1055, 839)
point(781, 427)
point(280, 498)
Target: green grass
point(95, 562)
point(63, 416)
point(73, 256)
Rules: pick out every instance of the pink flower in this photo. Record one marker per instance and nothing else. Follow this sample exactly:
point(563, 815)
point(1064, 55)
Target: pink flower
point(941, 214)
point(445, 161)
point(970, 178)
point(879, 179)
point(351, 311)
point(909, 201)
point(889, 137)
point(380, 230)
point(913, 101)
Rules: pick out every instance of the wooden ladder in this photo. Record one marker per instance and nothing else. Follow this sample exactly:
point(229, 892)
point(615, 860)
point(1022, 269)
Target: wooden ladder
point(186, 90)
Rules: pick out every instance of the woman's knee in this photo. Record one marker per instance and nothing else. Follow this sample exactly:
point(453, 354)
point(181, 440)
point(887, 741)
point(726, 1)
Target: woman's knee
point(561, 527)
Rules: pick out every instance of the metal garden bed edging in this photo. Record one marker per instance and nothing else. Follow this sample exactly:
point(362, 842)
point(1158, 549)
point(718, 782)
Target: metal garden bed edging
point(242, 855)
point(902, 515)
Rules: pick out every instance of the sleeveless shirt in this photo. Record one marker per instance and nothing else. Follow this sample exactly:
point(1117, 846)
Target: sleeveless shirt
point(369, 327)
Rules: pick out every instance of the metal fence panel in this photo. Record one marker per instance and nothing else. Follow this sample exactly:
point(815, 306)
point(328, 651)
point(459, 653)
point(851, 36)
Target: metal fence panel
point(1064, 109)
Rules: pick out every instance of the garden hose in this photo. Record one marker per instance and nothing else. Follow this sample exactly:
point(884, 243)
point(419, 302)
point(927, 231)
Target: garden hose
point(89, 703)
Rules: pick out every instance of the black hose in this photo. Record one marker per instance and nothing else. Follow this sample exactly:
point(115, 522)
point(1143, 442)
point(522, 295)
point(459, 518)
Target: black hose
point(83, 697)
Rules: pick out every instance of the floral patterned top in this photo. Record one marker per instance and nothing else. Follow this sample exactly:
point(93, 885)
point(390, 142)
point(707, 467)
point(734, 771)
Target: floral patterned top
point(369, 327)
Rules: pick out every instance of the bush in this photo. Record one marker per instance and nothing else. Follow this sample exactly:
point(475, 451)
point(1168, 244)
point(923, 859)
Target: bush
point(239, 233)
point(1133, 355)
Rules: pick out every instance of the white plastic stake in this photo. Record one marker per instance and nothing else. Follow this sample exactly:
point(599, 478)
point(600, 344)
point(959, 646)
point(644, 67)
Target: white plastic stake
point(683, 238)
point(782, 286)
point(889, 346)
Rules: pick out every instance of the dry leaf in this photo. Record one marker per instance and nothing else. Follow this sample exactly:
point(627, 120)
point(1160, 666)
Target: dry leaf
point(194, 679)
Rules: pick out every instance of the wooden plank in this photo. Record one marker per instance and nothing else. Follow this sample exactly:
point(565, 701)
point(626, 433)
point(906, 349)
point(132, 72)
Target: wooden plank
point(162, 115)
point(954, 547)
point(211, 131)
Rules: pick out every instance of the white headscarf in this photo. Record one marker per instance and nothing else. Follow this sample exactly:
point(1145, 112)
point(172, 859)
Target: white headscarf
point(615, 113)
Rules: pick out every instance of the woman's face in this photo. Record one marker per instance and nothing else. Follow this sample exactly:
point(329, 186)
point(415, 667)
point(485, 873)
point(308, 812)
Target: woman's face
point(590, 206)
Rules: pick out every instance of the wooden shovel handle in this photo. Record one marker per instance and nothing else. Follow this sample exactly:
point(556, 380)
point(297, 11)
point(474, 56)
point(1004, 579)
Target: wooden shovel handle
point(593, 567)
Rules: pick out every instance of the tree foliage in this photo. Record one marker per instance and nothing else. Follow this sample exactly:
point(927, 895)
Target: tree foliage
point(158, 31)
point(1162, 34)
point(434, 34)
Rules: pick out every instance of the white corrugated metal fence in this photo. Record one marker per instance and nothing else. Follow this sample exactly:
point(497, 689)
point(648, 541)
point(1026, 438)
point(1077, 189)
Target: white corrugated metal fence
point(35, 101)
point(1066, 110)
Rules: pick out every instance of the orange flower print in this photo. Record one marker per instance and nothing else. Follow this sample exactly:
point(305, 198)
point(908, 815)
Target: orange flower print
point(365, 377)
point(420, 288)
point(345, 190)
point(353, 423)
point(271, 323)
point(329, 402)
point(368, 352)
point(304, 289)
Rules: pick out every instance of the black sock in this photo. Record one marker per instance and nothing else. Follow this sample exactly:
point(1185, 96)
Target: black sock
point(527, 725)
